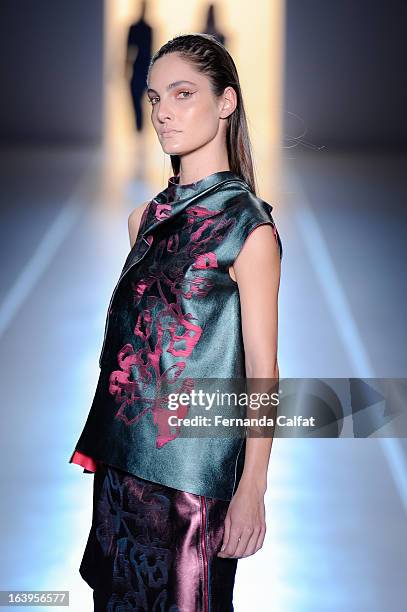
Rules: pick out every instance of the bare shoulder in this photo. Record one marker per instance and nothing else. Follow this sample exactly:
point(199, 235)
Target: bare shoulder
point(134, 221)
point(259, 255)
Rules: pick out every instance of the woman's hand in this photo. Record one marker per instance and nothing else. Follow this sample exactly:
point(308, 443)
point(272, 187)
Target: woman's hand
point(245, 524)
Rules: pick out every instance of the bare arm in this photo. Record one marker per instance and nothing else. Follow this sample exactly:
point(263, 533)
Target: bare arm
point(134, 222)
point(257, 271)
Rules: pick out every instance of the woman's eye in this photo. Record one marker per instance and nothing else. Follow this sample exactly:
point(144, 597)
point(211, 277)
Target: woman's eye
point(188, 94)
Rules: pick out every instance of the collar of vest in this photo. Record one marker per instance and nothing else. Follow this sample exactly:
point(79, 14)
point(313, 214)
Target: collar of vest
point(175, 198)
point(175, 191)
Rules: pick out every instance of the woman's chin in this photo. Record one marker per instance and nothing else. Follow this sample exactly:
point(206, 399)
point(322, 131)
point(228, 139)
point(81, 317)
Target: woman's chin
point(171, 149)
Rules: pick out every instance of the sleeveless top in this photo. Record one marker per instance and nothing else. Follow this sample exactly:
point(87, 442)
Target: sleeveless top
point(174, 316)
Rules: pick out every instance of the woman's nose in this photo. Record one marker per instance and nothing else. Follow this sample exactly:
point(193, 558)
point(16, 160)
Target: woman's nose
point(164, 111)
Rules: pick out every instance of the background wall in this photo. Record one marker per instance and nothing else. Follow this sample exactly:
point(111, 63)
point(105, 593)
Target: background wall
point(52, 71)
point(345, 72)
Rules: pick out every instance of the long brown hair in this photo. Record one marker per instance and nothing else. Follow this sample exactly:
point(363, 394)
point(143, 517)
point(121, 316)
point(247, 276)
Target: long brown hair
point(211, 58)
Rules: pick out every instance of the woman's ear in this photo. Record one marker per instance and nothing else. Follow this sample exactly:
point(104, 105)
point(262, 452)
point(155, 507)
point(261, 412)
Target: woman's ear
point(228, 102)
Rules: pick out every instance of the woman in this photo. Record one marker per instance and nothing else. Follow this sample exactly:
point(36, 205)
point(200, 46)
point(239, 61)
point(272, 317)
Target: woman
point(173, 511)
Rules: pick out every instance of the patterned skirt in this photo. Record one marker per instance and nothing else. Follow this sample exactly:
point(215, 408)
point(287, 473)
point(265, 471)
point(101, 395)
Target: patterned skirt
point(154, 548)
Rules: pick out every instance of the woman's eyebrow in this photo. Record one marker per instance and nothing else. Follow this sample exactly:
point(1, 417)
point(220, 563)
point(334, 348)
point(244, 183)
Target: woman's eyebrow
point(150, 90)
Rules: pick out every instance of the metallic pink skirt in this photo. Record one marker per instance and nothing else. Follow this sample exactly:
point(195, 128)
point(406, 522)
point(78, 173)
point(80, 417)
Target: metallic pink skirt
point(154, 548)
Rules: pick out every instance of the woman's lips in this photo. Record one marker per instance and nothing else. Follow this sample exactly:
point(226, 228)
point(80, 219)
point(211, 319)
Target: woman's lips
point(169, 133)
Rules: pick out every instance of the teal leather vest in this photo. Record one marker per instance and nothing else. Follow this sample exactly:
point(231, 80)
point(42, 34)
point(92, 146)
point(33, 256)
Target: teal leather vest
point(175, 315)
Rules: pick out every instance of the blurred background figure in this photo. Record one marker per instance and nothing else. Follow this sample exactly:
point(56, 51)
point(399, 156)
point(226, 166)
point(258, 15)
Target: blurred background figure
point(139, 52)
point(211, 27)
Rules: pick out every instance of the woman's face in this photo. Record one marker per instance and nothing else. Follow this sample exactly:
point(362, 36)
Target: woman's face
point(183, 102)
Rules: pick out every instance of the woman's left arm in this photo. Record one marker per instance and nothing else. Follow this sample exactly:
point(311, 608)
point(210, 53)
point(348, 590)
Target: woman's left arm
point(257, 271)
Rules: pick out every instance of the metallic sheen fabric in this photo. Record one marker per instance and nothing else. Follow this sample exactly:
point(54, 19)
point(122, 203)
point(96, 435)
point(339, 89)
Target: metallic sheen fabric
point(174, 317)
point(154, 548)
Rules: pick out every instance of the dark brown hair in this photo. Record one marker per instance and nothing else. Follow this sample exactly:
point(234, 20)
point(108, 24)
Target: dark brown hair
point(212, 59)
